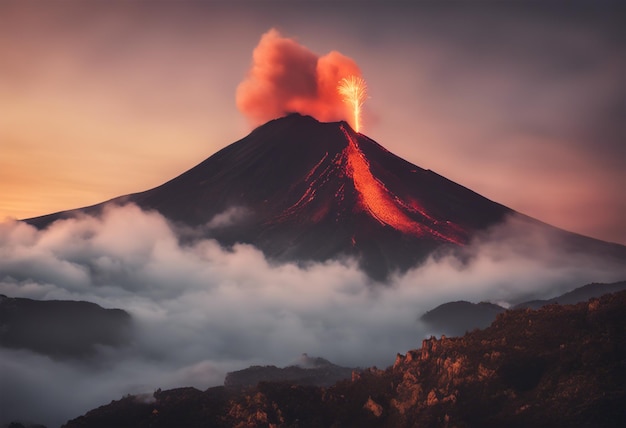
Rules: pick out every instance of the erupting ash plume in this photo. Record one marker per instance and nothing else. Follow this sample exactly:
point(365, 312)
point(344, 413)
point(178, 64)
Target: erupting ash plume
point(354, 92)
point(287, 77)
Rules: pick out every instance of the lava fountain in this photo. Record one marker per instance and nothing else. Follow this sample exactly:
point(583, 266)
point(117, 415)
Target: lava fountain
point(354, 92)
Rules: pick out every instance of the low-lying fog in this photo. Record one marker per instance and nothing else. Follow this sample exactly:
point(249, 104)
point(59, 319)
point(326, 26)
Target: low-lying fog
point(200, 310)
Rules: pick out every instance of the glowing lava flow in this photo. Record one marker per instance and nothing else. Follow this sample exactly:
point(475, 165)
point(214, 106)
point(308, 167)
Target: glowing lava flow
point(335, 174)
point(379, 202)
point(354, 91)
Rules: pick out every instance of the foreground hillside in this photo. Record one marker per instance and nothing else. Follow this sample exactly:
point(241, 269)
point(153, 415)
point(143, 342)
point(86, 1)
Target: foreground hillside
point(560, 366)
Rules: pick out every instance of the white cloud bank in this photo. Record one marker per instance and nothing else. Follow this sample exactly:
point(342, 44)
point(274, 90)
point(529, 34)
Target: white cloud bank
point(201, 310)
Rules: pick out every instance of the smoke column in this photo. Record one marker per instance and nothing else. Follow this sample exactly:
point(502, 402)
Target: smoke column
point(286, 77)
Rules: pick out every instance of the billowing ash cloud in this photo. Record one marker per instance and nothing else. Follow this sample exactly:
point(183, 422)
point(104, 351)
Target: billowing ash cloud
point(286, 77)
point(201, 310)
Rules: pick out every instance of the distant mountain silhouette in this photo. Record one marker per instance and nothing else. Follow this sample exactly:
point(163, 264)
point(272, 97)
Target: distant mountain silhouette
point(577, 295)
point(301, 190)
point(457, 318)
point(308, 371)
point(61, 328)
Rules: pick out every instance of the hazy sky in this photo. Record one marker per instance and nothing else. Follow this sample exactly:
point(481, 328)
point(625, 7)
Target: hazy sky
point(523, 104)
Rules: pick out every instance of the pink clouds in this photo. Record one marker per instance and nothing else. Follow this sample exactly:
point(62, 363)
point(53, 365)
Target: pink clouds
point(287, 77)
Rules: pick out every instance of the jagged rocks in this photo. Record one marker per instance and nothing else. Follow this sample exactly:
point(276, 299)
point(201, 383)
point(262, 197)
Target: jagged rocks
point(374, 407)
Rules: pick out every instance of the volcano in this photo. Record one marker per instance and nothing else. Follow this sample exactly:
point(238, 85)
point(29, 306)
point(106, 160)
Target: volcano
point(301, 190)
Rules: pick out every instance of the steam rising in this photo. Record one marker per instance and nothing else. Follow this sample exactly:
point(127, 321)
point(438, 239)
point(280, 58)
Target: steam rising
point(201, 310)
point(286, 77)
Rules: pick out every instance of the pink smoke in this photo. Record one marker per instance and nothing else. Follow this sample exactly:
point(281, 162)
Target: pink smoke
point(287, 77)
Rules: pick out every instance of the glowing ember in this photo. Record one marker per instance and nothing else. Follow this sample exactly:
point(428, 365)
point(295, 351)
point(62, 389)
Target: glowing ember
point(354, 92)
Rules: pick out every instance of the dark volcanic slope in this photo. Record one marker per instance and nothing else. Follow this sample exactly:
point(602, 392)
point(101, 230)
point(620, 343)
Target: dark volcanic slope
point(560, 366)
point(303, 190)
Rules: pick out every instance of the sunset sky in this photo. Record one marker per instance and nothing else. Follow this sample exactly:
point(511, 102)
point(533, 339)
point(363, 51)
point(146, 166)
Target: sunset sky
point(524, 105)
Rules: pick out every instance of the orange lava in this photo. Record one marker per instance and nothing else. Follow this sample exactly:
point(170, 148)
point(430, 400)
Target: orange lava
point(406, 216)
point(382, 204)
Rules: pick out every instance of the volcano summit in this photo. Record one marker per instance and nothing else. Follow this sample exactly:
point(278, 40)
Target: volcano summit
point(301, 190)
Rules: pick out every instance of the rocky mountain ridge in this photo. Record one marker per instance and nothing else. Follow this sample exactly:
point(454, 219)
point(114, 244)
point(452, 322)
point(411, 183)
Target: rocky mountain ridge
point(559, 366)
